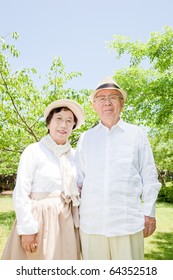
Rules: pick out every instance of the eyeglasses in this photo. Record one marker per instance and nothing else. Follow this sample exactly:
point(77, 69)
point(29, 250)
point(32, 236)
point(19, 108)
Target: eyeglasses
point(68, 122)
point(112, 98)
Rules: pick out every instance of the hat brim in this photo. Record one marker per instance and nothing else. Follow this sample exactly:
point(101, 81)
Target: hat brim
point(124, 94)
point(72, 105)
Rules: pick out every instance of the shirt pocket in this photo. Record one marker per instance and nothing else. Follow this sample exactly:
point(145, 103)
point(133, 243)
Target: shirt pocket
point(124, 160)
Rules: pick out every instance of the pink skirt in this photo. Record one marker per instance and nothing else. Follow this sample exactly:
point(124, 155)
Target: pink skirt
point(58, 234)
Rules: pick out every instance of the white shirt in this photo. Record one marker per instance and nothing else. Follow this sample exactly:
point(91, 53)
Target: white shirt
point(116, 167)
point(38, 171)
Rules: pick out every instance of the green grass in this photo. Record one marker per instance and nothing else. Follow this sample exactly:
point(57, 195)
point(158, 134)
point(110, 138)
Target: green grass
point(159, 246)
point(6, 203)
point(7, 217)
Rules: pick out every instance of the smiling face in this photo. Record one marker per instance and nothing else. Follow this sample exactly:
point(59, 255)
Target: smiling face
point(61, 125)
point(108, 104)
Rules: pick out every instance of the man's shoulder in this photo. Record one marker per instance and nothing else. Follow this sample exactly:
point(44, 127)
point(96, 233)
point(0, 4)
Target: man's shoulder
point(88, 135)
point(134, 128)
point(90, 131)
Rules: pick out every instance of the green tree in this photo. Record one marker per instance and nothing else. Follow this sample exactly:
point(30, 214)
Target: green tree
point(148, 79)
point(22, 105)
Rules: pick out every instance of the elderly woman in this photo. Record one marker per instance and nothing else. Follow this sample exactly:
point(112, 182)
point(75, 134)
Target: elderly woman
point(46, 197)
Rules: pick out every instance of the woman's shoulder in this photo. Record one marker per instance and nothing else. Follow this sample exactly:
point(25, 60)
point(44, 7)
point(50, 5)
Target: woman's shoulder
point(32, 148)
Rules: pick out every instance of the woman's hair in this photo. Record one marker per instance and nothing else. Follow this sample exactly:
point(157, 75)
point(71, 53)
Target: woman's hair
point(57, 110)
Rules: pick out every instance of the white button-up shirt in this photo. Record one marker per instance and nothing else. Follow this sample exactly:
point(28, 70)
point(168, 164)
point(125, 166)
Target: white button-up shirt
point(117, 171)
point(38, 171)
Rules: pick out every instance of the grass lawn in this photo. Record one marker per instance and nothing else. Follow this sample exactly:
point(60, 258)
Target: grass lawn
point(159, 246)
point(7, 217)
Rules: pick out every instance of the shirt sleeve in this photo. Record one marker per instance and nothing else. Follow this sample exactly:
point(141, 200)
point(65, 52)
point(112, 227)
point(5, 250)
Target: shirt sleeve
point(79, 161)
point(148, 172)
point(22, 203)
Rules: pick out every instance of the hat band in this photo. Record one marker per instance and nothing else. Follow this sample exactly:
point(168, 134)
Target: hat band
point(108, 85)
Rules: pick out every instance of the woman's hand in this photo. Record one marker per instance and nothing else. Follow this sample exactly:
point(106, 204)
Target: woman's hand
point(29, 242)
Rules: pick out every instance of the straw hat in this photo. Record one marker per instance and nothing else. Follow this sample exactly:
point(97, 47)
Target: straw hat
point(72, 105)
point(107, 83)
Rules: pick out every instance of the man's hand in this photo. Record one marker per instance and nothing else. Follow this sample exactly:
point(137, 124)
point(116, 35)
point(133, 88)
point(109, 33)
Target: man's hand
point(29, 242)
point(149, 226)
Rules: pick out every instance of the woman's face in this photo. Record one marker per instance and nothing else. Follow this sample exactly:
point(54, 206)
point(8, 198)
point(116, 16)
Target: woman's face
point(61, 125)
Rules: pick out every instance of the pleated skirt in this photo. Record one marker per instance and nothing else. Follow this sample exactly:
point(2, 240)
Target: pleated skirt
point(58, 234)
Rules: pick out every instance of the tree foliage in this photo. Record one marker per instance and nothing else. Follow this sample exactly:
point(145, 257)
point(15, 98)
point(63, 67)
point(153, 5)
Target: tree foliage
point(22, 105)
point(148, 80)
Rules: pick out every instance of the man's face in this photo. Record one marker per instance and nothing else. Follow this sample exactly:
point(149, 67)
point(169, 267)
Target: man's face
point(108, 104)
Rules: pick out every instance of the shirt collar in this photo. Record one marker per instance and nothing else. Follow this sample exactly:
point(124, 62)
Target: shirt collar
point(120, 124)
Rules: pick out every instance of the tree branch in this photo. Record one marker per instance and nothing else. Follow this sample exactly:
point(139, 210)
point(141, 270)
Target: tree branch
point(29, 129)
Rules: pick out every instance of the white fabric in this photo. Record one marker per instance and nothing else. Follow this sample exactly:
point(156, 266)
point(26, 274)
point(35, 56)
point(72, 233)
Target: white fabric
point(116, 168)
point(39, 171)
point(69, 182)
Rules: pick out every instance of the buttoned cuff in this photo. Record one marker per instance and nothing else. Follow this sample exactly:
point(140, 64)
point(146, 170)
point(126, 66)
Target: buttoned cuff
point(149, 209)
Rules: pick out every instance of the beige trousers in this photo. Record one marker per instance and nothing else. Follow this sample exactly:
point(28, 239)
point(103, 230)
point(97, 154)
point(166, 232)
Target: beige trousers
point(99, 247)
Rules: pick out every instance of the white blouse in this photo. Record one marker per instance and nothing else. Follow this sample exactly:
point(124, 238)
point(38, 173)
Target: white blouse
point(38, 171)
point(116, 169)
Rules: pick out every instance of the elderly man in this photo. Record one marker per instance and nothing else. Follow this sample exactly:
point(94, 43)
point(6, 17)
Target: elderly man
point(118, 181)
